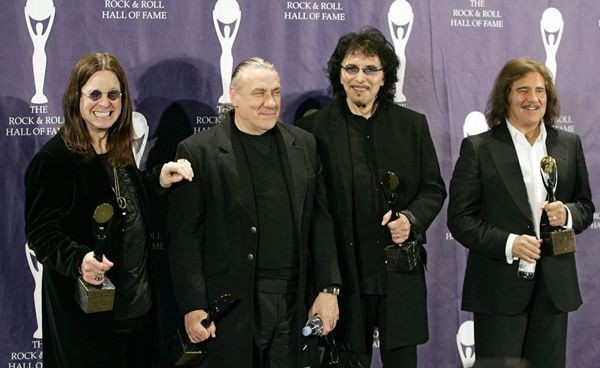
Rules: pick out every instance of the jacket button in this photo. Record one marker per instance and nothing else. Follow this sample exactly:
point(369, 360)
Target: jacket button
point(250, 256)
point(253, 229)
point(350, 244)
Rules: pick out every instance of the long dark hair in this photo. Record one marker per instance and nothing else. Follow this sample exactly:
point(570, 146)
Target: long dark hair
point(369, 42)
point(74, 131)
point(496, 110)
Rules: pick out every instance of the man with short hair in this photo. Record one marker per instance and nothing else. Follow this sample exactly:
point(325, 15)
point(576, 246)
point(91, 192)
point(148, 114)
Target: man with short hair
point(361, 136)
point(254, 224)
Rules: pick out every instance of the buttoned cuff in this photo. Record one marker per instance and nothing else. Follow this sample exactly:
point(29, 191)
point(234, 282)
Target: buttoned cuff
point(508, 248)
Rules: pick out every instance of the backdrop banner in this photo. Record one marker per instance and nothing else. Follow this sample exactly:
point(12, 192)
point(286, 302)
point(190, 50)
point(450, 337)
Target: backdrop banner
point(179, 55)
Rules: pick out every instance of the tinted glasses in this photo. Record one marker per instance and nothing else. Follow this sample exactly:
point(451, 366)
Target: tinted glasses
point(369, 70)
point(96, 95)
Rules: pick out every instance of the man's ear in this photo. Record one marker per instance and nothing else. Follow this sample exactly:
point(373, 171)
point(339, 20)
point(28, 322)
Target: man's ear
point(233, 96)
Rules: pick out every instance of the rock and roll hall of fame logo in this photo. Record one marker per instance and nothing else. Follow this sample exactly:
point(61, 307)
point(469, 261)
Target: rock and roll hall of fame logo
point(226, 19)
point(400, 21)
point(36, 270)
point(39, 17)
point(551, 26)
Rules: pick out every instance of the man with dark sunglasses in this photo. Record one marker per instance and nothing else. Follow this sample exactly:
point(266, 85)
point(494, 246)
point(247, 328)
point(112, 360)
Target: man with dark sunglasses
point(361, 136)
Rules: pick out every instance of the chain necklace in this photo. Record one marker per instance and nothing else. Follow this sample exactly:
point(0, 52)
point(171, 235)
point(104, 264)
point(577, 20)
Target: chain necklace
point(121, 201)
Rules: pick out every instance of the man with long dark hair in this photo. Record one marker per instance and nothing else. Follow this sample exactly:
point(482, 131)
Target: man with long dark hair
point(498, 200)
point(361, 136)
point(88, 163)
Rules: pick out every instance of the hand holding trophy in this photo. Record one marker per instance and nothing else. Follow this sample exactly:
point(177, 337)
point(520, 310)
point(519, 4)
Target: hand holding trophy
point(556, 239)
point(189, 354)
point(98, 298)
point(398, 257)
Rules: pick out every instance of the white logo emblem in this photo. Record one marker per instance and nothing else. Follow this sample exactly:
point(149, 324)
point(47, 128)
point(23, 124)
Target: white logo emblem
point(400, 20)
point(552, 26)
point(36, 12)
point(465, 342)
point(36, 269)
point(475, 123)
point(228, 14)
point(140, 136)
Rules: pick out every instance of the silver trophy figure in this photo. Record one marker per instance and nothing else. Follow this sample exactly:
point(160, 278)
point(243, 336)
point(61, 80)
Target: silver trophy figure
point(36, 270)
point(474, 124)
point(465, 343)
point(400, 21)
point(551, 26)
point(228, 13)
point(36, 12)
point(140, 136)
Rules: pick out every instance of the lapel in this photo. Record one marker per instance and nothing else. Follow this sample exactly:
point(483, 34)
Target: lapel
point(506, 161)
point(97, 181)
point(292, 162)
point(338, 134)
point(234, 167)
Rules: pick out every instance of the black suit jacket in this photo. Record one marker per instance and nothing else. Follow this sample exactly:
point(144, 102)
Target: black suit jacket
point(62, 190)
point(404, 146)
point(488, 201)
point(214, 231)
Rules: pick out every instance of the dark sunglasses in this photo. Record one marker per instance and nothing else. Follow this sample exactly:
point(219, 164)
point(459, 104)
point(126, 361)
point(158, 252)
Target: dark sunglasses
point(369, 70)
point(96, 95)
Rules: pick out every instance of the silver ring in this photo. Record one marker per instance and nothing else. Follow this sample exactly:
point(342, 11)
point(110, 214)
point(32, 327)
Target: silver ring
point(98, 276)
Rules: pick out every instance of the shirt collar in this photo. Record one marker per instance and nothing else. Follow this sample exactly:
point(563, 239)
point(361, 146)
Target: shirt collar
point(515, 133)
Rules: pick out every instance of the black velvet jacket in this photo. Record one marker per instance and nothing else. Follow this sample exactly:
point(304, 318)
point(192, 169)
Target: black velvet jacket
point(62, 190)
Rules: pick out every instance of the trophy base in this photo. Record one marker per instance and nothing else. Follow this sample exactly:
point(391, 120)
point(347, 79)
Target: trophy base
point(558, 242)
point(189, 354)
point(402, 258)
point(95, 298)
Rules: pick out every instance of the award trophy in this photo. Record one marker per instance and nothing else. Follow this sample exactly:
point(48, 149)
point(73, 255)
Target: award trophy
point(97, 298)
point(398, 257)
point(556, 240)
point(192, 354)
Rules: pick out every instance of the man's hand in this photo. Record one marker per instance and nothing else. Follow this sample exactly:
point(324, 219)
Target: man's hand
point(527, 248)
point(93, 271)
point(557, 213)
point(196, 332)
point(173, 172)
point(326, 306)
point(399, 228)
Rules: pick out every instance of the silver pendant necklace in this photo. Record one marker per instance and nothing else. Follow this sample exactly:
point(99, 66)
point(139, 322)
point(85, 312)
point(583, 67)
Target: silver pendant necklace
point(121, 201)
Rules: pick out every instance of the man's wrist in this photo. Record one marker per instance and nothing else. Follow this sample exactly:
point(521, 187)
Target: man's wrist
point(334, 290)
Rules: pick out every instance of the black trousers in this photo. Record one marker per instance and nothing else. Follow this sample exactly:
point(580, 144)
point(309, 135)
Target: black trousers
point(374, 312)
point(275, 335)
point(538, 336)
point(129, 343)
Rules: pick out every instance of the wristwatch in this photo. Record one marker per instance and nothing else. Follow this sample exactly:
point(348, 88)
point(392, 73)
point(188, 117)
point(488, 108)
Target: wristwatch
point(331, 290)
